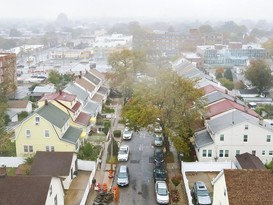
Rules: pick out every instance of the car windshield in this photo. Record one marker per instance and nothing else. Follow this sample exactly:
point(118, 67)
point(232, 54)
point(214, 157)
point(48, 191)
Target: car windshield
point(122, 151)
point(122, 175)
point(159, 171)
point(202, 193)
point(158, 138)
point(162, 191)
point(127, 132)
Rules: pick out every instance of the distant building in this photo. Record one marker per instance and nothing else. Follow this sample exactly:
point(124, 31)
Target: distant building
point(235, 53)
point(8, 75)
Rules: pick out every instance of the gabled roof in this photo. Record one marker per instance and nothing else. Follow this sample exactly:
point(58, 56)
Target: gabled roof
point(90, 76)
point(232, 118)
point(76, 90)
point(227, 105)
point(97, 98)
point(103, 90)
point(249, 187)
point(249, 161)
point(16, 190)
point(217, 96)
point(211, 88)
point(17, 103)
point(53, 114)
point(52, 163)
point(72, 135)
point(251, 91)
point(91, 107)
point(85, 84)
point(76, 106)
point(83, 119)
point(202, 138)
point(63, 96)
point(44, 89)
point(97, 73)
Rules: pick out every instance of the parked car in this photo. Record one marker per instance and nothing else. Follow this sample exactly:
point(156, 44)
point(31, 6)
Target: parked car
point(158, 141)
point(123, 153)
point(159, 172)
point(127, 134)
point(200, 194)
point(157, 128)
point(158, 155)
point(123, 175)
point(162, 193)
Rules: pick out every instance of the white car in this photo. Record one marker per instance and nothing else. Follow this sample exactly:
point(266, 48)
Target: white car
point(123, 153)
point(127, 134)
point(162, 193)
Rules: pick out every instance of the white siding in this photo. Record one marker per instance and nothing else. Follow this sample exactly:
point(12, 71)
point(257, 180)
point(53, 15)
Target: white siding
point(220, 195)
point(67, 181)
point(55, 189)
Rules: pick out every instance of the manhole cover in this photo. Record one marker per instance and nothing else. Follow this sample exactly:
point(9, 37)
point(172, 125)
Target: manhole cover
point(134, 161)
point(139, 193)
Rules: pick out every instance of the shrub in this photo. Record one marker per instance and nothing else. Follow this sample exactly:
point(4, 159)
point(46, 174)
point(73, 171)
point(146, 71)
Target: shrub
point(89, 152)
point(117, 133)
point(176, 180)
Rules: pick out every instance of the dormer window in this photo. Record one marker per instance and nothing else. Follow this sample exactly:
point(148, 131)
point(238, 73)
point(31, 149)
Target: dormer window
point(37, 120)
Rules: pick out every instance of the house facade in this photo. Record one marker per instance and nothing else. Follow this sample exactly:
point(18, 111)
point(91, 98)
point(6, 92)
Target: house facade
point(20, 106)
point(47, 129)
point(234, 133)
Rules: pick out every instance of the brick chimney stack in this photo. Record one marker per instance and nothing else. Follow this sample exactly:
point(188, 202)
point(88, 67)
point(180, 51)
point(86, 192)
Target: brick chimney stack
point(3, 171)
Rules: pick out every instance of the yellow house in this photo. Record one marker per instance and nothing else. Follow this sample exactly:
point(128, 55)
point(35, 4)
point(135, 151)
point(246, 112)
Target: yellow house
point(69, 104)
point(47, 129)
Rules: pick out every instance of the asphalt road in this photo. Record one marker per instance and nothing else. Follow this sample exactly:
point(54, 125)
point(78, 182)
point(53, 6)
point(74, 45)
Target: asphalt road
point(140, 190)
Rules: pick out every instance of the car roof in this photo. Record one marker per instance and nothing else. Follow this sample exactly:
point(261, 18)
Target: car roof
point(161, 184)
point(201, 185)
point(124, 147)
point(123, 168)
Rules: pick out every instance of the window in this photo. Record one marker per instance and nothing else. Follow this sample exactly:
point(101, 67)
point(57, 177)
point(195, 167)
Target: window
point(52, 149)
point(226, 153)
point(222, 138)
point(47, 148)
point(246, 127)
point(46, 133)
point(237, 152)
point(245, 138)
point(28, 148)
point(270, 153)
point(204, 153)
point(209, 153)
point(50, 190)
point(254, 152)
point(268, 138)
point(37, 120)
point(263, 152)
point(28, 133)
point(221, 153)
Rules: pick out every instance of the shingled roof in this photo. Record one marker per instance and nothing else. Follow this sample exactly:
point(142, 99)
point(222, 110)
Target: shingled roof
point(52, 163)
point(249, 161)
point(249, 187)
point(32, 190)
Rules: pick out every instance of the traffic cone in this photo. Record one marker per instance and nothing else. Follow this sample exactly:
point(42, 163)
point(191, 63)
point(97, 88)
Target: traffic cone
point(104, 187)
point(110, 174)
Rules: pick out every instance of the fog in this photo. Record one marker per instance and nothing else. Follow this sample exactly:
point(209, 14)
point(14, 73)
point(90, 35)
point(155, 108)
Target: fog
point(160, 9)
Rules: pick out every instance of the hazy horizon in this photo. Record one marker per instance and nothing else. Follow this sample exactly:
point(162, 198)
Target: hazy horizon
point(136, 9)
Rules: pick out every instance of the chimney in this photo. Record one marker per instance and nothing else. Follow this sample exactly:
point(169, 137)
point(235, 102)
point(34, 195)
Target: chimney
point(46, 102)
point(3, 171)
point(261, 120)
point(60, 92)
point(235, 99)
point(226, 91)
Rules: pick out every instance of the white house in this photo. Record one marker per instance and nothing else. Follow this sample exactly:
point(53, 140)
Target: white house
point(233, 133)
point(20, 106)
point(243, 187)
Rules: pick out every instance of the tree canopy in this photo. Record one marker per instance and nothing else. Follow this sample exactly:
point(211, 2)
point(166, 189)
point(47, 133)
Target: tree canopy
point(259, 74)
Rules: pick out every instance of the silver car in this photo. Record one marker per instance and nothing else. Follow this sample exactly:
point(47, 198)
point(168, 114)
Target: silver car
point(123, 175)
point(200, 194)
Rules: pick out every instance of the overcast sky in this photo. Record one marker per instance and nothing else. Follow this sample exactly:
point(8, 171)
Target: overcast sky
point(191, 9)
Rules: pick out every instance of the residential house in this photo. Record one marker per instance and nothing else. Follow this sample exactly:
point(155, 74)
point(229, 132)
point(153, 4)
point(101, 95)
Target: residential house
point(82, 95)
point(61, 164)
point(244, 187)
point(38, 190)
point(69, 104)
point(19, 106)
point(248, 161)
point(47, 129)
point(233, 133)
point(40, 91)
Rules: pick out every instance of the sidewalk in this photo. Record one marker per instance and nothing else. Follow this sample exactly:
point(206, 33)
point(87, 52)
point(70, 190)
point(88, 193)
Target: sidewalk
point(173, 169)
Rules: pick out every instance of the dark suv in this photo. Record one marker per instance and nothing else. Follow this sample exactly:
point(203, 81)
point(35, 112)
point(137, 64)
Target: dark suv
point(200, 194)
point(159, 172)
point(158, 155)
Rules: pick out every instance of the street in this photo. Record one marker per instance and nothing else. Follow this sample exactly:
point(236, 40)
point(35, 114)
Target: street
point(140, 190)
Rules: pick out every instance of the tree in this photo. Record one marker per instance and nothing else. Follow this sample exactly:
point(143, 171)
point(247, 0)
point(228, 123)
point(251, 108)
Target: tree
point(228, 74)
point(259, 74)
point(227, 83)
point(54, 77)
point(205, 29)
